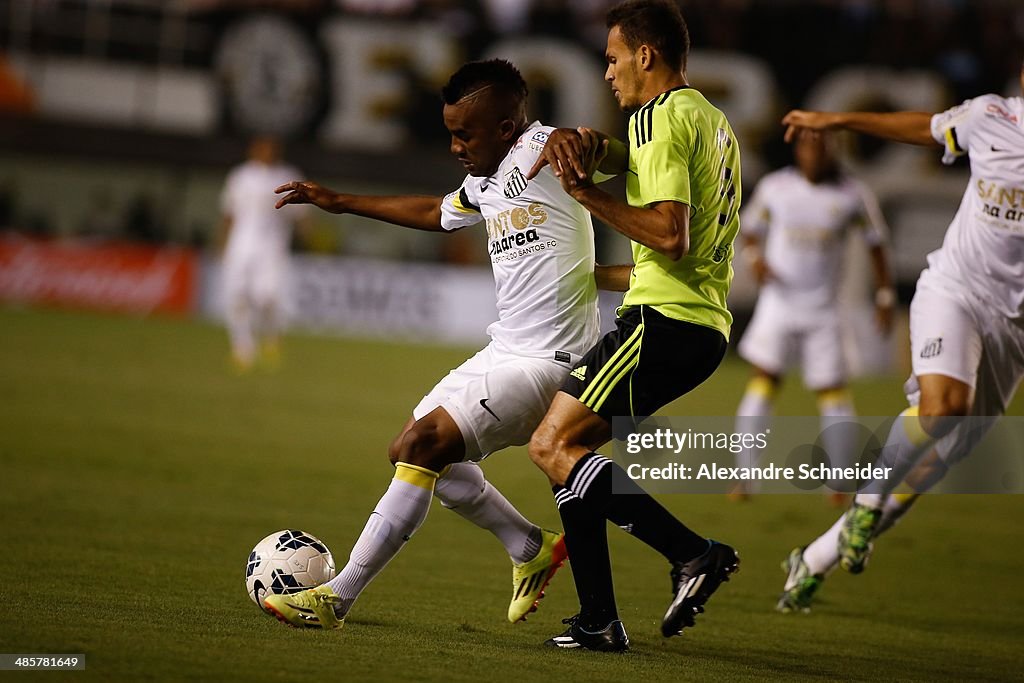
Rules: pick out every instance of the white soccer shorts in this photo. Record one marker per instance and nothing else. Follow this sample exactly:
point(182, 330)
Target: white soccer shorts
point(496, 398)
point(776, 339)
point(256, 279)
point(970, 343)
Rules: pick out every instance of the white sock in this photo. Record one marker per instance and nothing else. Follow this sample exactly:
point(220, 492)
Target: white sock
point(240, 330)
point(838, 431)
point(753, 417)
point(398, 515)
point(823, 552)
point(822, 555)
point(269, 324)
point(463, 488)
point(905, 445)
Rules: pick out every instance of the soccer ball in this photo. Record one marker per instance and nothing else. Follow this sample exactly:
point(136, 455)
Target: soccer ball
point(285, 562)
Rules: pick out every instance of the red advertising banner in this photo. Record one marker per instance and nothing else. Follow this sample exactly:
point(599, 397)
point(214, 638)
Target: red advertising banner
point(110, 277)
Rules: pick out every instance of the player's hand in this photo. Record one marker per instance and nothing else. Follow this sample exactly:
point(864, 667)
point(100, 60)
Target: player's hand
point(883, 318)
point(306, 192)
point(762, 273)
point(811, 120)
point(595, 148)
point(885, 302)
point(754, 256)
point(564, 151)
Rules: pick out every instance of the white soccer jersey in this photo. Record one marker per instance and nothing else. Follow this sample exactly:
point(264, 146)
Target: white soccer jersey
point(983, 251)
point(541, 244)
point(257, 228)
point(804, 226)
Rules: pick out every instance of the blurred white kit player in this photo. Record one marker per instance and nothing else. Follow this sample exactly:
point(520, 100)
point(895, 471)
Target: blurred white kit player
point(966, 325)
point(255, 266)
point(795, 229)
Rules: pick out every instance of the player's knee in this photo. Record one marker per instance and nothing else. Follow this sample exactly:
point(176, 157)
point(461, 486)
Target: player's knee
point(542, 449)
point(425, 445)
point(395, 449)
point(938, 415)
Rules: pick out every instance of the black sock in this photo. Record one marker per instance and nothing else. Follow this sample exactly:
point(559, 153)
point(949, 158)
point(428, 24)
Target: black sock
point(586, 540)
point(632, 508)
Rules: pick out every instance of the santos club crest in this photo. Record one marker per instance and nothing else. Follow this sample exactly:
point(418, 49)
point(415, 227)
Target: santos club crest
point(515, 183)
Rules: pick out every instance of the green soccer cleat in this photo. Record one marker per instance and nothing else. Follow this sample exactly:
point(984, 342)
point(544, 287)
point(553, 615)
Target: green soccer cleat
point(801, 584)
point(530, 578)
point(312, 608)
point(855, 537)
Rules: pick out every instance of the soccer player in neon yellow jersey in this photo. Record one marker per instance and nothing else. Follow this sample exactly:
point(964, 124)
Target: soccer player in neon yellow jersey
point(683, 191)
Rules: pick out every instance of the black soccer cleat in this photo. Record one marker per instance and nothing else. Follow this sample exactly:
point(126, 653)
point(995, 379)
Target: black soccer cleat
point(612, 638)
point(693, 582)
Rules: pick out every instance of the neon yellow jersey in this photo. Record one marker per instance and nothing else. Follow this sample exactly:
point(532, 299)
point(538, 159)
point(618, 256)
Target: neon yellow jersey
point(682, 149)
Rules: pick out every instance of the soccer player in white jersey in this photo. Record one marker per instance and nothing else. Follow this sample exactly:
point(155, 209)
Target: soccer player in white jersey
point(794, 229)
point(255, 267)
point(541, 246)
point(966, 320)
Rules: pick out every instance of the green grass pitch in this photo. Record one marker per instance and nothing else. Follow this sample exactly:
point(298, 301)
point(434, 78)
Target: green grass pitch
point(136, 472)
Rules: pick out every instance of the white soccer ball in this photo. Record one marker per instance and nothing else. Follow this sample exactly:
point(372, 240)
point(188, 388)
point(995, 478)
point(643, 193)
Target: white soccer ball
point(285, 562)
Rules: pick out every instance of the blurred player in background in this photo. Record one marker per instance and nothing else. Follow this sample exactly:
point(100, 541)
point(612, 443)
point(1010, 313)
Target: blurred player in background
point(257, 240)
point(682, 167)
point(541, 246)
point(794, 230)
point(966, 322)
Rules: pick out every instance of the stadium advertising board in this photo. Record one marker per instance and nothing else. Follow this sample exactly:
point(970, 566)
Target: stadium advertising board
point(419, 302)
point(380, 299)
point(109, 277)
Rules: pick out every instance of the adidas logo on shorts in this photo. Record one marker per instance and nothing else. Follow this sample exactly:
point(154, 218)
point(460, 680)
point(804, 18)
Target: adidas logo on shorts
point(580, 373)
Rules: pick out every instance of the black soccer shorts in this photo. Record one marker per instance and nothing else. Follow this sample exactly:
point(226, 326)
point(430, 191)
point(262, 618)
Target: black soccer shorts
point(646, 362)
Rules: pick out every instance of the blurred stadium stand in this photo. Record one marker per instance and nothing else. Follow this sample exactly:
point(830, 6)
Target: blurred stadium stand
point(119, 118)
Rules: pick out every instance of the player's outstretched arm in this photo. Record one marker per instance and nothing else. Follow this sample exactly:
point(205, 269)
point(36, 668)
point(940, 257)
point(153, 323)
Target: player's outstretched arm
point(885, 295)
point(912, 127)
point(410, 211)
point(612, 278)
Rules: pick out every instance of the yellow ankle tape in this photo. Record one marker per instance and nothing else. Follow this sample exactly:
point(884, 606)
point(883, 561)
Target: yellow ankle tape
point(912, 426)
point(834, 397)
point(415, 475)
point(761, 386)
point(905, 499)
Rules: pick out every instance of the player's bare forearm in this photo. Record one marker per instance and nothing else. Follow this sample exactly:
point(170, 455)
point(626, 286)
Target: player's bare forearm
point(223, 231)
point(885, 295)
point(612, 278)
point(880, 266)
point(664, 227)
point(409, 211)
point(911, 127)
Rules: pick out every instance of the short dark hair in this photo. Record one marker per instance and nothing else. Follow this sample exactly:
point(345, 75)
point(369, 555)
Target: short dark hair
point(658, 23)
point(499, 74)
